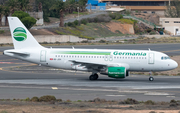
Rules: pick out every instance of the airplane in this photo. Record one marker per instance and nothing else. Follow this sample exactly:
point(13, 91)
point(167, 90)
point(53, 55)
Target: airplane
point(113, 63)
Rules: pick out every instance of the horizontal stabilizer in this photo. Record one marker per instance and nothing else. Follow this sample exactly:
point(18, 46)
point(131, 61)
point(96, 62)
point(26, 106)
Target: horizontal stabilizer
point(19, 53)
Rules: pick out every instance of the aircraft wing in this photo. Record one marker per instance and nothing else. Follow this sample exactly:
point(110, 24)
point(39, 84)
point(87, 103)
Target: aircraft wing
point(99, 65)
point(88, 63)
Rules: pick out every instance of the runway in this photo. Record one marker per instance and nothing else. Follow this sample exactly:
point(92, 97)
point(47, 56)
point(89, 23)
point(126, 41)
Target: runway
point(19, 79)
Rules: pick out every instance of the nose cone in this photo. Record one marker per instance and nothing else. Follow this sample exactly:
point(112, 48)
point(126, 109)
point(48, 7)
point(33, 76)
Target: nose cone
point(174, 64)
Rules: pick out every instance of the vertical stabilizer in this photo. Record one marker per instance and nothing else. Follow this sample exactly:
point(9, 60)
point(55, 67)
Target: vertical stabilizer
point(21, 36)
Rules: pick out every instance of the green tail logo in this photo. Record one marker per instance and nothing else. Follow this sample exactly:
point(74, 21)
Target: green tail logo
point(19, 34)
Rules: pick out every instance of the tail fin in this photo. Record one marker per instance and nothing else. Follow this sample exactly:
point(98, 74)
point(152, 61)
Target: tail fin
point(21, 37)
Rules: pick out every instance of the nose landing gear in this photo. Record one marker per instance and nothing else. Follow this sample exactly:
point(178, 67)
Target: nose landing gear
point(151, 78)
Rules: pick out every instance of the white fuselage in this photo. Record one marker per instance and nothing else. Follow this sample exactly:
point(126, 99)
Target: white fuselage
point(133, 60)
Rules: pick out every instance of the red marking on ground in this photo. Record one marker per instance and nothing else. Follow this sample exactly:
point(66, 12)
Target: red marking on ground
point(6, 62)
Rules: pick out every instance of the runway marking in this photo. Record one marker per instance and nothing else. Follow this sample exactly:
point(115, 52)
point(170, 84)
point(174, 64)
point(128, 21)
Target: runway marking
point(9, 59)
point(3, 68)
point(171, 50)
point(116, 95)
point(157, 93)
point(54, 87)
point(171, 96)
point(6, 62)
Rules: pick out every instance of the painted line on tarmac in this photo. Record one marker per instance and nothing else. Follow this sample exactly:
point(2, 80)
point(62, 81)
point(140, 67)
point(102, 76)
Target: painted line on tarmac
point(116, 95)
point(8, 60)
point(54, 87)
point(157, 93)
point(171, 50)
point(171, 96)
point(0, 68)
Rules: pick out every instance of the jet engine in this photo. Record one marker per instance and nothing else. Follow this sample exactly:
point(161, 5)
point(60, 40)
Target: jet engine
point(116, 72)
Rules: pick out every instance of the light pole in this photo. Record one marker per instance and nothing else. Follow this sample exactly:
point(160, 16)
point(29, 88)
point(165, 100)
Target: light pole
point(78, 12)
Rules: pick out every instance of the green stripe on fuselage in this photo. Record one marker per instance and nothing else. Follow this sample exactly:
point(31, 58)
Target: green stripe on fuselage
point(82, 52)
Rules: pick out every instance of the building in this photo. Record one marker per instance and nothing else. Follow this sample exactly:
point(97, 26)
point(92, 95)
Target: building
point(148, 5)
point(171, 24)
point(151, 6)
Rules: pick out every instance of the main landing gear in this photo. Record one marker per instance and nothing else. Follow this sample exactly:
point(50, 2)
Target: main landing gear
point(93, 76)
point(150, 78)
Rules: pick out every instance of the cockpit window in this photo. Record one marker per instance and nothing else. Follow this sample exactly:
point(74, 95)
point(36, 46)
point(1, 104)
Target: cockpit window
point(165, 58)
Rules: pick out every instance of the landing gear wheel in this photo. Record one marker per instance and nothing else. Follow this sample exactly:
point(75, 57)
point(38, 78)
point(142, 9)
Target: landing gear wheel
point(93, 77)
point(96, 75)
point(151, 78)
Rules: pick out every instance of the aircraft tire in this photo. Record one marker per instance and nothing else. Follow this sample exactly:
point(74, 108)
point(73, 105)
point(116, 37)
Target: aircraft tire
point(93, 77)
point(96, 75)
point(151, 79)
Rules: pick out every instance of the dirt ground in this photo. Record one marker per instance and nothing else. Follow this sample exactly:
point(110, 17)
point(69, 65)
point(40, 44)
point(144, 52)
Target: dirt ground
point(123, 28)
point(84, 107)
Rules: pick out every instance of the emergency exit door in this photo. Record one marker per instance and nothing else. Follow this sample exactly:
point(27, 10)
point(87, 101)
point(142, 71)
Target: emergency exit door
point(151, 58)
point(43, 56)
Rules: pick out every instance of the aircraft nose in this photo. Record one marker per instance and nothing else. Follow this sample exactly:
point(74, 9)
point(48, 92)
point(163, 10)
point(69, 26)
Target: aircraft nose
point(174, 64)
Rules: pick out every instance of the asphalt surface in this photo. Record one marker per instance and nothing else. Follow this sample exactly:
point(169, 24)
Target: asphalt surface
point(19, 79)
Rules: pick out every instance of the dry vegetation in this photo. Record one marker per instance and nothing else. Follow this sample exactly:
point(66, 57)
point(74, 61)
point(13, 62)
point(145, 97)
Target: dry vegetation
point(95, 106)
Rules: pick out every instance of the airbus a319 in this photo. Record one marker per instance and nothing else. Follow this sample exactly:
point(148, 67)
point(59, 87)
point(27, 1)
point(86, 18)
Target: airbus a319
point(113, 63)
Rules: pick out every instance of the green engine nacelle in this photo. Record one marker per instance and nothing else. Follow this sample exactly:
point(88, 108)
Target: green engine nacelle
point(117, 72)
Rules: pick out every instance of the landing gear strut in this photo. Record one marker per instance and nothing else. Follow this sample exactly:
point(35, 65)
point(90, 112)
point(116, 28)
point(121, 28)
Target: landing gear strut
point(93, 76)
point(150, 78)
